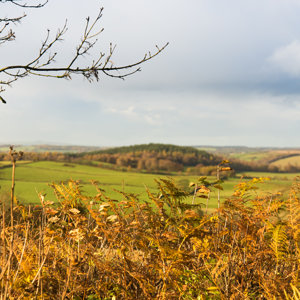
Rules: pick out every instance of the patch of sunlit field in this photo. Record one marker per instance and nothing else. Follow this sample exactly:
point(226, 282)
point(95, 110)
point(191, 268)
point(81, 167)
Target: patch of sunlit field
point(286, 162)
point(251, 156)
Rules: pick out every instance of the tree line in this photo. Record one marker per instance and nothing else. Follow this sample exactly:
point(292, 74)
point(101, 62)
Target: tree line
point(155, 158)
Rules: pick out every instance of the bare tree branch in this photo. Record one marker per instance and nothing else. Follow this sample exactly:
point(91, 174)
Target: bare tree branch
point(44, 63)
point(12, 20)
point(22, 4)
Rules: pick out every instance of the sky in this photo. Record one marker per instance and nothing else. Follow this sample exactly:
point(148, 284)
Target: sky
point(229, 76)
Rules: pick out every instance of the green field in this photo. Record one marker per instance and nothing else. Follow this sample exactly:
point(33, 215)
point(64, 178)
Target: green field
point(35, 177)
point(252, 156)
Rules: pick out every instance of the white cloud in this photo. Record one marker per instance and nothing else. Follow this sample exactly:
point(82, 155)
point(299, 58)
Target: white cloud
point(287, 58)
point(128, 111)
point(138, 114)
point(153, 119)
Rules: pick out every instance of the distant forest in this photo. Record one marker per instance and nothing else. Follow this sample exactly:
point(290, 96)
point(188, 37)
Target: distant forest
point(153, 157)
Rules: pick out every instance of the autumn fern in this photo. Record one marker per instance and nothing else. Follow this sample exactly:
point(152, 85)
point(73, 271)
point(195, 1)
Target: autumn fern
point(279, 243)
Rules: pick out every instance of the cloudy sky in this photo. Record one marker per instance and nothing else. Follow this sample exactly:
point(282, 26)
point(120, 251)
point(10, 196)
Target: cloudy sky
point(230, 75)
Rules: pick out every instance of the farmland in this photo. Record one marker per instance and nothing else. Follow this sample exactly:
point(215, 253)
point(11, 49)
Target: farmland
point(35, 177)
point(284, 163)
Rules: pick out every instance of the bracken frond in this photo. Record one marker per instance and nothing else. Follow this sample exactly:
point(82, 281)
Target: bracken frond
point(279, 243)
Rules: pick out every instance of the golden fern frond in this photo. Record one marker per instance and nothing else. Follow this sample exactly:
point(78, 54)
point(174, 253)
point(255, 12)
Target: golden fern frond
point(220, 268)
point(279, 243)
point(294, 206)
point(293, 217)
point(295, 211)
point(296, 294)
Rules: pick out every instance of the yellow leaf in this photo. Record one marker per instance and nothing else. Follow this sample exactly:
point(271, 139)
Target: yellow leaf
point(218, 186)
point(225, 169)
point(112, 218)
point(74, 211)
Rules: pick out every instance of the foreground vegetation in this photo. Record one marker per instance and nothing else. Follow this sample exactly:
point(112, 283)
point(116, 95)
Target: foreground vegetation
point(160, 248)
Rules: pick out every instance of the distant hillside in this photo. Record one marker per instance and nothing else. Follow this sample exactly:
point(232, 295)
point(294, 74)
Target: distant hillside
point(152, 157)
point(50, 148)
point(288, 163)
point(269, 159)
point(236, 150)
